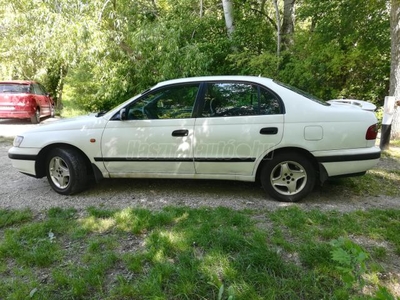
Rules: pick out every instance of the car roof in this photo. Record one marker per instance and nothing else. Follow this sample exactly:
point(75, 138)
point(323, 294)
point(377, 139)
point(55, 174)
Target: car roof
point(17, 82)
point(215, 78)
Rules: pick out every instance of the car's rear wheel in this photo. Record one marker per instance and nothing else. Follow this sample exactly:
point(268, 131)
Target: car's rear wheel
point(35, 119)
point(66, 171)
point(52, 111)
point(288, 177)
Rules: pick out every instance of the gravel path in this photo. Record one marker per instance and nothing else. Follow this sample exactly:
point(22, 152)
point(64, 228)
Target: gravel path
point(20, 191)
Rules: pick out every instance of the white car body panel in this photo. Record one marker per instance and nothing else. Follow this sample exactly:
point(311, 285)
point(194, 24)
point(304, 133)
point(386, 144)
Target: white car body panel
point(147, 146)
point(214, 147)
point(24, 166)
point(238, 139)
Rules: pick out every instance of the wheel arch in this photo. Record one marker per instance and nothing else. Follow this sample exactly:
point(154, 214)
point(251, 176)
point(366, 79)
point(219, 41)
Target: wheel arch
point(319, 168)
point(40, 165)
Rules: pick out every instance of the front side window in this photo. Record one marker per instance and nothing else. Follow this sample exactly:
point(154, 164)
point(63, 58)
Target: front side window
point(239, 99)
point(174, 102)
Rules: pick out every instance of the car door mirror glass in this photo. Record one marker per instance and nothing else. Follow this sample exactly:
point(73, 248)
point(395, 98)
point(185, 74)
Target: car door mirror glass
point(122, 114)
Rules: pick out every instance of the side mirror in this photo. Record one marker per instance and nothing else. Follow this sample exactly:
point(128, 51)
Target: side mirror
point(122, 114)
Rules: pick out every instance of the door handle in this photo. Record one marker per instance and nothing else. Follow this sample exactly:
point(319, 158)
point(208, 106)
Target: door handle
point(269, 130)
point(180, 132)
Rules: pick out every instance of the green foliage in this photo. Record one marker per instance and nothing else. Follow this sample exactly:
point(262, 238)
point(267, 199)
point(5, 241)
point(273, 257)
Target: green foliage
point(8, 218)
point(230, 293)
point(384, 294)
point(104, 52)
point(352, 262)
point(344, 53)
point(183, 253)
point(375, 182)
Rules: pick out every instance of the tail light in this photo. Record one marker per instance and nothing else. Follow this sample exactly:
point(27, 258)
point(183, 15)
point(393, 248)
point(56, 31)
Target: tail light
point(372, 132)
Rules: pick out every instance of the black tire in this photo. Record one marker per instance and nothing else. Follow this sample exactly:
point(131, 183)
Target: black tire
point(288, 177)
point(35, 119)
point(66, 171)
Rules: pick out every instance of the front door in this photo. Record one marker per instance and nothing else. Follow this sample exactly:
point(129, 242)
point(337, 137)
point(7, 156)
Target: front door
point(155, 136)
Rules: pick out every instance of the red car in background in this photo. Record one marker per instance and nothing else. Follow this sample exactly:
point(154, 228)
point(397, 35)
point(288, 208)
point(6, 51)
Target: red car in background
point(22, 99)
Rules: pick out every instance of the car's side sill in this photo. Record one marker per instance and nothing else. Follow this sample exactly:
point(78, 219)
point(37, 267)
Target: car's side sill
point(161, 159)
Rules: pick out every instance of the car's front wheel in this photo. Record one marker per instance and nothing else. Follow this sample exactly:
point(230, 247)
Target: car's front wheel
point(66, 171)
point(288, 177)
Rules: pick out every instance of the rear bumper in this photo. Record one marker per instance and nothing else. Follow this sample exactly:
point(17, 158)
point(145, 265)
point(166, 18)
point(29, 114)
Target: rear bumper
point(348, 162)
point(16, 114)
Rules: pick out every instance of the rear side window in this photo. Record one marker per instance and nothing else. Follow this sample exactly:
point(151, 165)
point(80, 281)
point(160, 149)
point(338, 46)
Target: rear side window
point(303, 93)
point(227, 99)
point(14, 88)
point(38, 90)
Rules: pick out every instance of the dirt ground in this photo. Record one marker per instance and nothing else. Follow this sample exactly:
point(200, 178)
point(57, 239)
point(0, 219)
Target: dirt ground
point(20, 191)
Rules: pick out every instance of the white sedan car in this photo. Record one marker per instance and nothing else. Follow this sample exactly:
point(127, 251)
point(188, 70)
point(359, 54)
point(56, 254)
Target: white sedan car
point(221, 127)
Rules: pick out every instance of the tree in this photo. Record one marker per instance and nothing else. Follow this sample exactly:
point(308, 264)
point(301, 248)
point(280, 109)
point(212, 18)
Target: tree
point(395, 63)
point(39, 40)
point(287, 29)
point(341, 49)
point(278, 29)
point(105, 51)
point(228, 13)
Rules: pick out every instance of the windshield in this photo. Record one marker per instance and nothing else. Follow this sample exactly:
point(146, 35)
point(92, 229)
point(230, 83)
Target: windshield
point(303, 93)
point(14, 88)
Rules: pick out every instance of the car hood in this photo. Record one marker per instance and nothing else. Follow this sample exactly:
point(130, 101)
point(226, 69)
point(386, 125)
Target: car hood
point(77, 123)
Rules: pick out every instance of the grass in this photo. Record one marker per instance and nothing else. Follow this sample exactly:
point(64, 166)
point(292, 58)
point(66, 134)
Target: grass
point(382, 180)
point(376, 182)
point(207, 253)
point(395, 143)
point(183, 253)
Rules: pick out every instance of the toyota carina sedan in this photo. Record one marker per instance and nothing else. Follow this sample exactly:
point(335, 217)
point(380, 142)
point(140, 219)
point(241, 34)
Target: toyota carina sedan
point(221, 127)
point(21, 99)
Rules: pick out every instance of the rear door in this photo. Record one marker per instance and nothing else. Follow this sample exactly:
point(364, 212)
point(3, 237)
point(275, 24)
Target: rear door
point(239, 122)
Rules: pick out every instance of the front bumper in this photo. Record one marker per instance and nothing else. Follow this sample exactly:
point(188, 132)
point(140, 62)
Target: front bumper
point(24, 159)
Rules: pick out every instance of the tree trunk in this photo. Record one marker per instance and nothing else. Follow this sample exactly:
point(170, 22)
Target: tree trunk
point(229, 19)
point(60, 86)
point(395, 64)
point(278, 29)
point(287, 29)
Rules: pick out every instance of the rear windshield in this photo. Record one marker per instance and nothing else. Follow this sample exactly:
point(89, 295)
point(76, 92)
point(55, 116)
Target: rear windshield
point(14, 88)
point(303, 93)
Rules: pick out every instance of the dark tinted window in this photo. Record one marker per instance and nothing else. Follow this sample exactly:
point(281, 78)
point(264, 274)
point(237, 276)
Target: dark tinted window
point(175, 102)
point(269, 103)
point(239, 99)
point(303, 93)
point(14, 88)
point(38, 89)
